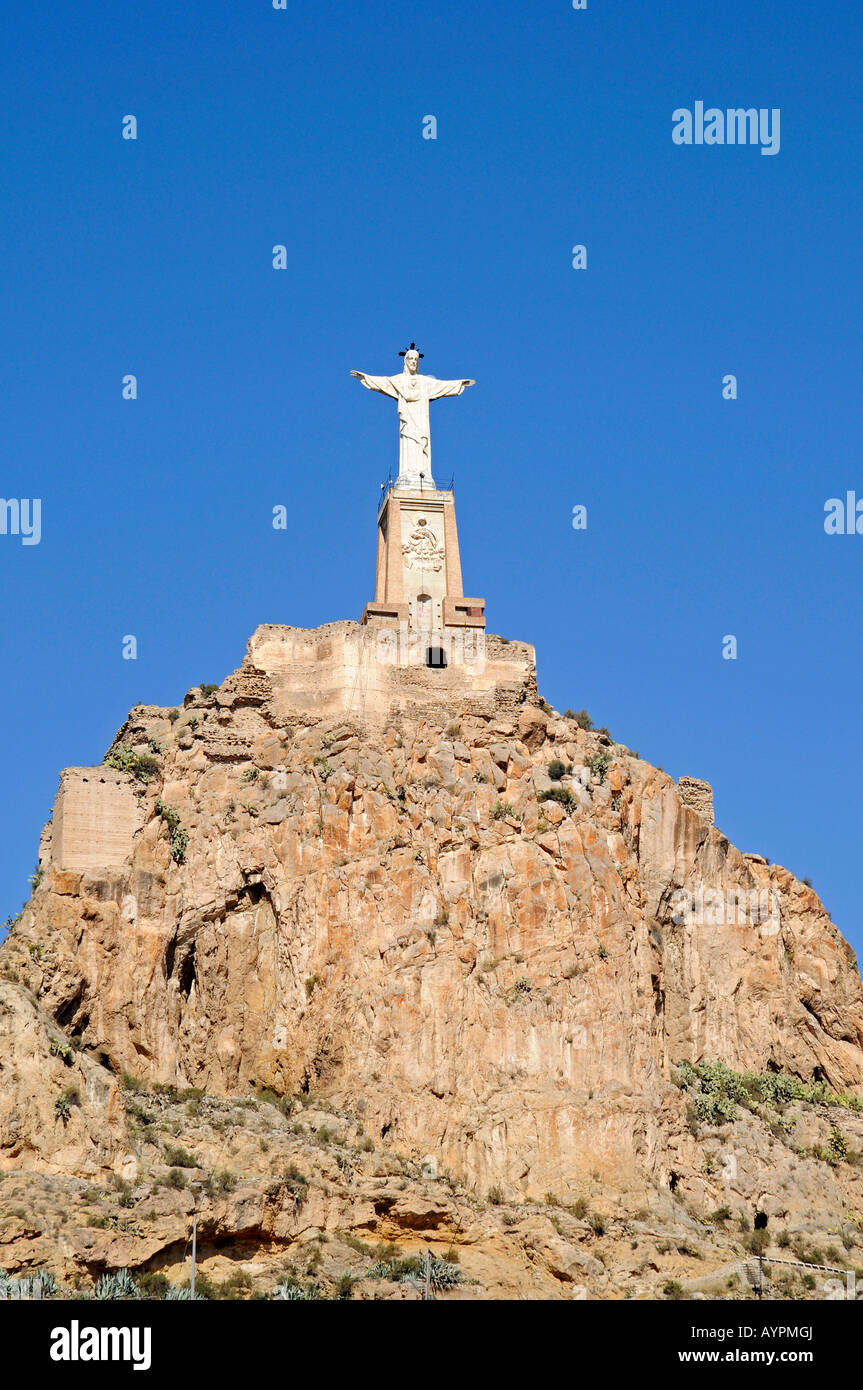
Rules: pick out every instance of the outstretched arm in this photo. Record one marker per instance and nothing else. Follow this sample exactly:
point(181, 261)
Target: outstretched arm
point(449, 388)
point(377, 383)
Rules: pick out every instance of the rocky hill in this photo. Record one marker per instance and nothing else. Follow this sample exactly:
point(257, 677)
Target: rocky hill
point(474, 980)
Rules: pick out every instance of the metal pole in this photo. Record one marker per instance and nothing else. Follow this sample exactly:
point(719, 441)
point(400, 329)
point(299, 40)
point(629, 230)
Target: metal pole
point(428, 1275)
point(194, 1248)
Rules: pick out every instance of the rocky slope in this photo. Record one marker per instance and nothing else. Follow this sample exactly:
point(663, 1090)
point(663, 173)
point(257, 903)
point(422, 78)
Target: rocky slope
point(456, 934)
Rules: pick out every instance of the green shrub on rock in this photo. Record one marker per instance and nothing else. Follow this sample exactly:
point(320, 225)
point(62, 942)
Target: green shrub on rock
point(142, 766)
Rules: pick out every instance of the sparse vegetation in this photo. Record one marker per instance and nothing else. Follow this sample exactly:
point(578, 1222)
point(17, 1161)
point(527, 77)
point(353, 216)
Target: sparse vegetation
point(562, 795)
point(178, 836)
point(62, 1050)
point(599, 763)
point(178, 1157)
point(442, 1274)
point(64, 1103)
point(40, 1284)
point(116, 1285)
point(579, 717)
point(718, 1092)
point(142, 766)
point(836, 1150)
point(291, 1289)
point(756, 1242)
point(153, 1284)
point(179, 845)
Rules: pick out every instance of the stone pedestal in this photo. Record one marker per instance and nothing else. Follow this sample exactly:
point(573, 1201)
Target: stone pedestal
point(418, 580)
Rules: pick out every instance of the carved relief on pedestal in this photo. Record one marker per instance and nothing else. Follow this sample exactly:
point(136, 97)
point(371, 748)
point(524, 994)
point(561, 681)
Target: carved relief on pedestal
point(423, 550)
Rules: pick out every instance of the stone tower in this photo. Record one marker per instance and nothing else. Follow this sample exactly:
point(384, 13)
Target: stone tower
point(418, 578)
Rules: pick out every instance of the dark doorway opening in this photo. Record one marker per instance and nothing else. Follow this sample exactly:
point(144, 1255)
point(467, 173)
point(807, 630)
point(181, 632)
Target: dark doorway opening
point(187, 973)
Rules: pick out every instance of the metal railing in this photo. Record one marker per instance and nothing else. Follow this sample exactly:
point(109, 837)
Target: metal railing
point(391, 482)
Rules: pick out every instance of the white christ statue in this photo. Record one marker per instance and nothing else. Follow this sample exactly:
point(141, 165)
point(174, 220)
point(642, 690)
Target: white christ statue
point(413, 393)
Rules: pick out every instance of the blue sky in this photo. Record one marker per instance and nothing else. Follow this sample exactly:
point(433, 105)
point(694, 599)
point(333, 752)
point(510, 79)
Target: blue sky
point(601, 387)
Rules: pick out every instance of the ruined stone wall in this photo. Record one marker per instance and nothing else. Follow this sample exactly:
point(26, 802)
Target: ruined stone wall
point(96, 816)
point(698, 795)
point(368, 671)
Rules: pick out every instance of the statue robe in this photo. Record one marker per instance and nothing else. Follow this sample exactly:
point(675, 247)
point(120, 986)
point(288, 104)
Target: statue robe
point(413, 394)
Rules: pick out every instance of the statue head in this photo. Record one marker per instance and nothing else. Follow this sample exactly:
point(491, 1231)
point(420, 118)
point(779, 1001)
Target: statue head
point(412, 359)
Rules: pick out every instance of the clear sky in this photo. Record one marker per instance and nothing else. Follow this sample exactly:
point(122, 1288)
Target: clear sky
point(600, 387)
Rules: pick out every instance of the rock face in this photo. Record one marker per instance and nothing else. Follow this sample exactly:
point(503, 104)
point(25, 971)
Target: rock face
point(496, 930)
point(361, 909)
point(37, 1068)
